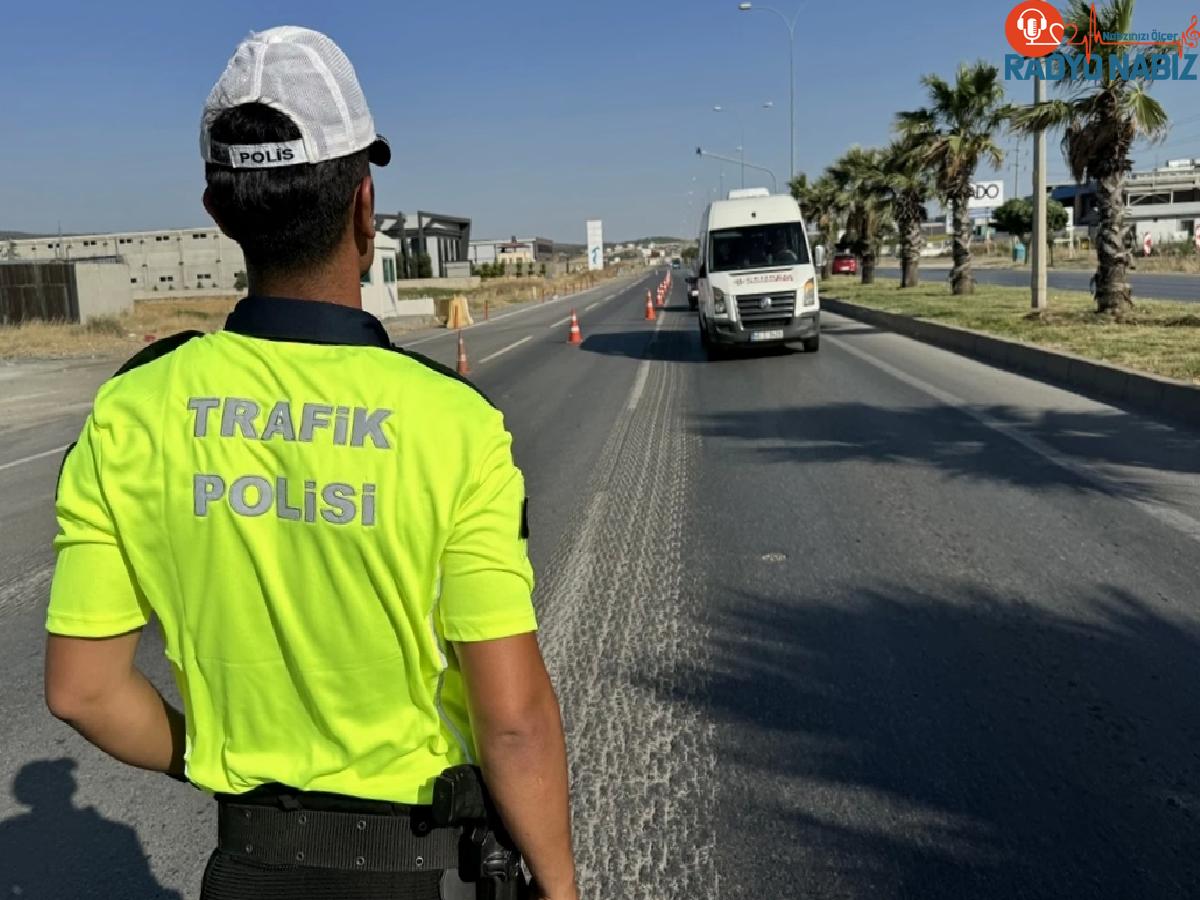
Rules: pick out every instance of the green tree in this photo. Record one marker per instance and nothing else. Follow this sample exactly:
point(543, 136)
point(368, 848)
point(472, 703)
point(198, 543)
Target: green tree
point(689, 254)
point(909, 184)
point(858, 176)
point(956, 131)
point(1100, 120)
point(424, 266)
point(1016, 217)
point(824, 207)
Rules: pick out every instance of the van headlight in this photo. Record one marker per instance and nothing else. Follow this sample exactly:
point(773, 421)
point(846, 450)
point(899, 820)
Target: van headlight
point(718, 301)
point(810, 292)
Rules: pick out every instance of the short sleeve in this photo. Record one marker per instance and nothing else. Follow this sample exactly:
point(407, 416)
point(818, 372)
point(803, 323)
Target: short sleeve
point(487, 581)
point(93, 593)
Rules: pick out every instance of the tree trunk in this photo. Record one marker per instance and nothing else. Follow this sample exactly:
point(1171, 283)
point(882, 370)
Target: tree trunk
point(914, 242)
point(868, 265)
point(961, 279)
point(1113, 294)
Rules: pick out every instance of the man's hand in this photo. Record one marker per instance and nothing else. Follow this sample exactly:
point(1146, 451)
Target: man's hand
point(93, 686)
point(519, 735)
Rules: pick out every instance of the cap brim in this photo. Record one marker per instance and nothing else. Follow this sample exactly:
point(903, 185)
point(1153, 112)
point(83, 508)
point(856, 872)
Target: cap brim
point(380, 152)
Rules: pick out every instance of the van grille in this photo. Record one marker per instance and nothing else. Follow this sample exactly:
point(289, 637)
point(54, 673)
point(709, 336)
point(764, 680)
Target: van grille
point(779, 311)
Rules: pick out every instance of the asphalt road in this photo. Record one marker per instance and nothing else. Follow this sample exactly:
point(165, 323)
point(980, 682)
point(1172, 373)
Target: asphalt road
point(1150, 285)
point(877, 622)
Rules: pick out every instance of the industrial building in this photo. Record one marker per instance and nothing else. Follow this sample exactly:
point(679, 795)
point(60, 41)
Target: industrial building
point(189, 259)
point(1163, 203)
point(442, 239)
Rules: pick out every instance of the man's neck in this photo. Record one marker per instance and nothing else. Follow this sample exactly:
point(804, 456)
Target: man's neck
point(334, 284)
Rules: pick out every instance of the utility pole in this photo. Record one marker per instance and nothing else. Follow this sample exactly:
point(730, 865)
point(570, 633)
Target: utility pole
point(1038, 285)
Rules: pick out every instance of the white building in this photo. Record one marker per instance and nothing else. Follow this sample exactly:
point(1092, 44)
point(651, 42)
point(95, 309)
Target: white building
point(536, 249)
point(1163, 203)
point(188, 259)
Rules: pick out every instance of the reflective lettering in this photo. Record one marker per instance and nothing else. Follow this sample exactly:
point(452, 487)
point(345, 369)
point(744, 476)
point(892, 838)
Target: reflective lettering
point(282, 509)
point(241, 413)
point(239, 490)
point(310, 501)
point(369, 423)
point(341, 498)
point(279, 422)
point(206, 488)
point(340, 425)
point(368, 505)
point(314, 416)
point(202, 406)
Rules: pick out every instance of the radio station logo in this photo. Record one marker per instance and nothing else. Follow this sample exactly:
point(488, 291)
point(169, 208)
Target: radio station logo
point(1048, 48)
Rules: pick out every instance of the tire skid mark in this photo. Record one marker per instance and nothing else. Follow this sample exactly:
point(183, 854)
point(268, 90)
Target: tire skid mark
point(618, 619)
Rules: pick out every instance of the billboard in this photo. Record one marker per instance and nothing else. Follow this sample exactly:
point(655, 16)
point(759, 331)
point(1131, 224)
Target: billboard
point(595, 244)
point(985, 195)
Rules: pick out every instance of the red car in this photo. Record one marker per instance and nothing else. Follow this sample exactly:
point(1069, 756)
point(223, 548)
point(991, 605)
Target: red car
point(845, 264)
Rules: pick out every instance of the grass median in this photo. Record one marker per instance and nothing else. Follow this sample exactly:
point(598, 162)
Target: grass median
point(1159, 337)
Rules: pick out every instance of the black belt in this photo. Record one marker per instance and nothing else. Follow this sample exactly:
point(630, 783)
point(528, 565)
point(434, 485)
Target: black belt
point(360, 836)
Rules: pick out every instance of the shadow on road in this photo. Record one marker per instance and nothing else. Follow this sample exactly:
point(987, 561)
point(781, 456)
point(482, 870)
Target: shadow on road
point(58, 850)
point(944, 438)
point(956, 743)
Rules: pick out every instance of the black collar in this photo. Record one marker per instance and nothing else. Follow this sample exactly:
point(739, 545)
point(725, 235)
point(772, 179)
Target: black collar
point(306, 322)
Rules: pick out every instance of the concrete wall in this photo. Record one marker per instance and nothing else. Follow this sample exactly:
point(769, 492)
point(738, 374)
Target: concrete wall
point(159, 261)
point(103, 289)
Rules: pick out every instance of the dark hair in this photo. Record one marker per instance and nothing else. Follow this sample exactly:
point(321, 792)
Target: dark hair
point(289, 217)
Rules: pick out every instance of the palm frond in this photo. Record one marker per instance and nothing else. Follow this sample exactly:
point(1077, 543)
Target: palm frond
point(1147, 114)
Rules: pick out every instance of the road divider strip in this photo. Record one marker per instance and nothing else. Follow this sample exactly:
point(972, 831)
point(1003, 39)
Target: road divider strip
point(33, 458)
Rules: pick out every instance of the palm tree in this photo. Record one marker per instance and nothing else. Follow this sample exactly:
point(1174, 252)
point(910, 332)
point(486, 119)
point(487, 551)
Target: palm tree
point(858, 174)
point(957, 130)
point(1100, 121)
point(823, 207)
point(909, 184)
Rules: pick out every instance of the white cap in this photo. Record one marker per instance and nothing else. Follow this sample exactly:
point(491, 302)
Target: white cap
point(307, 77)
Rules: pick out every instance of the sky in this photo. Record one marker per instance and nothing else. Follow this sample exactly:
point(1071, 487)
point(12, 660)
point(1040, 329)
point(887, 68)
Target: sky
point(527, 117)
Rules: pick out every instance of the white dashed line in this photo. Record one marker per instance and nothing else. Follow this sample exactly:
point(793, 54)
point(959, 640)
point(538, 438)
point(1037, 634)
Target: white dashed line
point(34, 458)
point(504, 350)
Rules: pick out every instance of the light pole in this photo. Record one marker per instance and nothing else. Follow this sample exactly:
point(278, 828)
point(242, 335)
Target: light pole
point(791, 27)
point(700, 151)
point(1038, 273)
point(742, 133)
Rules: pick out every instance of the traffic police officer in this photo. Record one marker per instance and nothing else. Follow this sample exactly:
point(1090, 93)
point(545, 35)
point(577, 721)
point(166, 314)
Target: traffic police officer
point(330, 531)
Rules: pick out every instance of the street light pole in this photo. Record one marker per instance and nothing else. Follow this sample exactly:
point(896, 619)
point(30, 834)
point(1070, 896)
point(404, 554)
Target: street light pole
point(1038, 286)
point(791, 27)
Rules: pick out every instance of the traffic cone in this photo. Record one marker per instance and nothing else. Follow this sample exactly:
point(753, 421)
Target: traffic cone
point(661, 297)
point(650, 314)
point(464, 367)
point(574, 336)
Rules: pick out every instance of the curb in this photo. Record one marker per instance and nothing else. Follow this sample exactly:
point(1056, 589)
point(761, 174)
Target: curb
point(1138, 391)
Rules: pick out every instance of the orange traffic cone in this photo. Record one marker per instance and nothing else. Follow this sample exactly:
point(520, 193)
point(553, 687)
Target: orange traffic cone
point(464, 367)
point(574, 336)
point(650, 314)
point(661, 297)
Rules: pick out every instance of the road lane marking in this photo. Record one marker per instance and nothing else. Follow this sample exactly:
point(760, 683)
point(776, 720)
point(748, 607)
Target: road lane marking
point(639, 385)
point(591, 306)
point(519, 312)
point(34, 458)
point(504, 350)
point(1173, 518)
point(563, 321)
point(19, 397)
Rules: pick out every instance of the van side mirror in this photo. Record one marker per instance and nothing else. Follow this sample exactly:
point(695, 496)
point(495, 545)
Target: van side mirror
point(819, 255)
point(703, 273)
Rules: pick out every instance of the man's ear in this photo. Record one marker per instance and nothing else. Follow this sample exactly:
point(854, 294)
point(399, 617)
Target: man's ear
point(208, 208)
point(364, 208)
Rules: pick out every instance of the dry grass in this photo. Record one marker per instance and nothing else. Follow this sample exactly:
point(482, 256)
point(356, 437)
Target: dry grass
point(121, 336)
point(113, 335)
point(1159, 337)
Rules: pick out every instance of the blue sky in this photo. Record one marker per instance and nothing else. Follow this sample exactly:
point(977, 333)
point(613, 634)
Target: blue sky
point(528, 117)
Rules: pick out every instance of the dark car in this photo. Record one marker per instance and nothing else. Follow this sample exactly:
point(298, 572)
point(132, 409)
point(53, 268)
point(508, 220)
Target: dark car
point(693, 292)
point(845, 264)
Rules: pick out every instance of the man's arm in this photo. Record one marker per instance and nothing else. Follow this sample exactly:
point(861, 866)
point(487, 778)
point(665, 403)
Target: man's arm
point(519, 736)
point(93, 685)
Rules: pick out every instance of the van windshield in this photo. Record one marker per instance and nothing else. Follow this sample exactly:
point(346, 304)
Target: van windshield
point(757, 247)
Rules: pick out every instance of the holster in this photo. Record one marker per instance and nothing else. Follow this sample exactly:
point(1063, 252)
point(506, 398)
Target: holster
point(487, 854)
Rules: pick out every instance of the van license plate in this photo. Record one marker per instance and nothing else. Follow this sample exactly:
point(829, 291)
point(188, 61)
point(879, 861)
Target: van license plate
point(774, 335)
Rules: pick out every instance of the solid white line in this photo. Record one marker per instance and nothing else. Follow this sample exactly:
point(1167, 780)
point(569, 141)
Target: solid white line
point(591, 306)
point(639, 385)
point(563, 321)
point(34, 458)
point(1167, 515)
point(504, 350)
